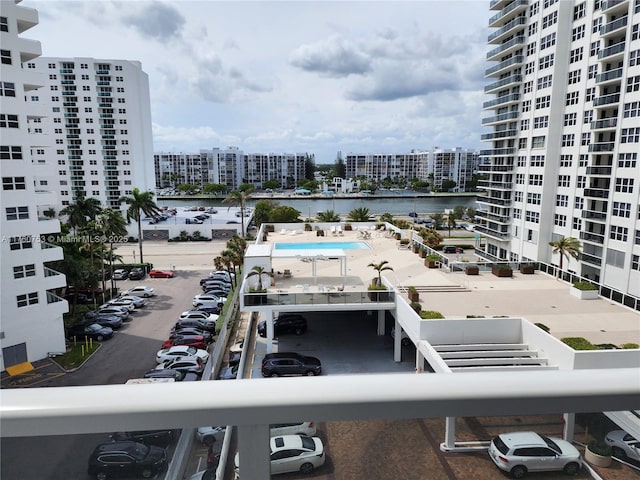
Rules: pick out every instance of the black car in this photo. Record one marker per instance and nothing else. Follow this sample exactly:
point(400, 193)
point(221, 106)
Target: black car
point(288, 364)
point(137, 273)
point(285, 323)
point(195, 323)
point(208, 309)
point(106, 320)
point(210, 285)
point(159, 438)
point(218, 292)
point(90, 330)
point(126, 459)
point(234, 358)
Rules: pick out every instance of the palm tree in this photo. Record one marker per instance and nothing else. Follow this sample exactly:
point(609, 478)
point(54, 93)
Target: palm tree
point(438, 220)
point(328, 216)
point(380, 267)
point(111, 225)
point(361, 214)
point(81, 212)
point(566, 247)
point(139, 203)
point(386, 217)
point(259, 271)
point(451, 222)
point(238, 198)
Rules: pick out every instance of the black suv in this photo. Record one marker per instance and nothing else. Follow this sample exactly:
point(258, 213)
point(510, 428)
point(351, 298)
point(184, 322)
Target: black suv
point(289, 363)
point(159, 438)
point(137, 273)
point(285, 323)
point(126, 458)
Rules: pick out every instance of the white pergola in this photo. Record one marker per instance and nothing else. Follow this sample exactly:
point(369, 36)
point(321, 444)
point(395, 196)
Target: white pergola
point(313, 256)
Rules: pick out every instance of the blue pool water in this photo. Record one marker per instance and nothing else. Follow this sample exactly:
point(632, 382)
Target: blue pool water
point(323, 245)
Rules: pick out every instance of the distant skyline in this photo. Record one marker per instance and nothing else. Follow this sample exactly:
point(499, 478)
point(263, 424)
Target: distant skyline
point(317, 77)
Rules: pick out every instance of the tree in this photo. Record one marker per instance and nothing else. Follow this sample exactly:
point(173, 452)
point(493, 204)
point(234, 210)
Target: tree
point(111, 225)
point(259, 271)
point(459, 212)
point(187, 188)
point(568, 247)
point(284, 214)
point(438, 220)
point(309, 167)
point(261, 211)
point(471, 213)
point(81, 212)
point(238, 198)
point(451, 222)
point(430, 236)
point(360, 214)
point(139, 203)
point(386, 217)
point(214, 188)
point(247, 187)
point(339, 168)
point(448, 184)
point(328, 216)
point(311, 185)
point(380, 267)
point(272, 184)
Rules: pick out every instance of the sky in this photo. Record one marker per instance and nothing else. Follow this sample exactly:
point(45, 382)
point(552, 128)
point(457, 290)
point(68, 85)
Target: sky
point(312, 77)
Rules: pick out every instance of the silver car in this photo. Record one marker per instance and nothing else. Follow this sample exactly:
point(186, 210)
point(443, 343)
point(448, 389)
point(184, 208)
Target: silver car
point(522, 452)
point(623, 445)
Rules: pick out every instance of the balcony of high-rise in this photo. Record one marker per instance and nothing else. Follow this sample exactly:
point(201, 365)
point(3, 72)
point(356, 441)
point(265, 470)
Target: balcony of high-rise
point(513, 28)
point(515, 8)
point(613, 27)
point(614, 7)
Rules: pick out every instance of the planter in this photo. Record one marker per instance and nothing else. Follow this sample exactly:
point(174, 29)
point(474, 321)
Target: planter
point(527, 269)
point(584, 294)
point(472, 270)
point(414, 296)
point(423, 254)
point(307, 228)
point(431, 263)
point(397, 236)
point(347, 227)
point(595, 459)
point(502, 272)
point(415, 248)
point(319, 233)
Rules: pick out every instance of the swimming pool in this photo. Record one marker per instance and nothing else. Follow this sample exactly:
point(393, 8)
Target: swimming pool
point(323, 246)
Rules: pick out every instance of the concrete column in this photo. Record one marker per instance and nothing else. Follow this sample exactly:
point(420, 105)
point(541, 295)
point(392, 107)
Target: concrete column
point(450, 433)
point(254, 452)
point(419, 361)
point(569, 426)
point(269, 320)
point(381, 317)
point(397, 342)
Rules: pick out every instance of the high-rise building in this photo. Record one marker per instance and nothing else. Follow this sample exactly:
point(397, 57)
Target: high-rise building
point(99, 116)
point(455, 165)
point(565, 115)
point(31, 314)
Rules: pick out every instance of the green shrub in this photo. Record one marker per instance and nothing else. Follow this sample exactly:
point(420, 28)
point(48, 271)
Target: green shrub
point(543, 327)
point(433, 257)
point(416, 306)
point(579, 343)
point(629, 346)
point(412, 289)
point(584, 286)
point(430, 314)
point(599, 447)
point(475, 316)
point(404, 241)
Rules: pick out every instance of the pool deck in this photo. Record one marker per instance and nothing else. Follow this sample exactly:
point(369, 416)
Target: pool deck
point(538, 298)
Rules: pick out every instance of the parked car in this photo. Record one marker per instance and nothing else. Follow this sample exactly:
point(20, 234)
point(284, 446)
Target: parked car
point(209, 298)
point(220, 277)
point(90, 330)
point(199, 314)
point(209, 308)
point(193, 221)
point(222, 273)
point(623, 445)
point(211, 210)
point(120, 274)
point(181, 351)
point(160, 438)
point(118, 302)
point(293, 453)
point(126, 458)
point(122, 312)
point(288, 364)
point(138, 302)
point(208, 336)
point(137, 273)
point(237, 347)
point(522, 452)
point(452, 249)
point(234, 358)
point(140, 291)
point(216, 292)
point(195, 323)
point(216, 284)
point(177, 375)
point(229, 373)
point(210, 435)
point(197, 341)
point(112, 321)
point(285, 323)
point(161, 274)
point(183, 364)
point(413, 214)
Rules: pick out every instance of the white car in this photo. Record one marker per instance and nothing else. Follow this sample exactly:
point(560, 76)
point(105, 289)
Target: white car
point(138, 302)
point(293, 453)
point(207, 299)
point(522, 452)
point(222, 273)
point(140, 291)
point(117, 302)
point(181, 351)
point(623, 445)
point(237, 347)
point(210, 435)
point(113, 310)
point(200, 315)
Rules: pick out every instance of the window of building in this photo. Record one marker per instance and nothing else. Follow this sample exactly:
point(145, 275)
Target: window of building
point(577, 33)
point(631, 109)
point(5, 56)
point(520, 178)
point(576, 55)
point(592, 72)
point(538, 142)
point(615, 258)
point(544, 82)
point(560, 220)
point(595, 28)
point(621, 209)
point(13, 183)
point(22, 271)
point(17, 213)
point(579, 204)
point(524, 124)
point(27, 299)
point(548, 41)
point(526, 105)
point(549, 20)
point(548, 3)
point(517, 213)
point(633, 84)
point(627, 160)
point(594, 48)
point(566, 160)
point(531, 48)
point(535, 180)
point(10, 152)
point(579, 11)
point(635, 263)
point(574, 76)
point(572, 98)
point(635, 32)
point(18, 243)
point(570, 119)
point(541, 122)
point(4, 24)
point(9, 121)
point(587, 117)
point(527, 87)
point(546, 62)
point(568, 140)
point(533, 29)
point(564, 180)
point(634, 58)
point(562, 200)
point(533, 217)
point(522, 143)
point(624, 185)
point(630, 135)
point(534, 198)
point(577, 223)
point(581, 181)
point(517, 196)
point(7, 89)
point(543, 102)
point(585, 139)
point(619, 233)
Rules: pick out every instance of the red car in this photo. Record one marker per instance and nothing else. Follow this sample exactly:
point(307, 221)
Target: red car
point(161, 274)
point(197, 341)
